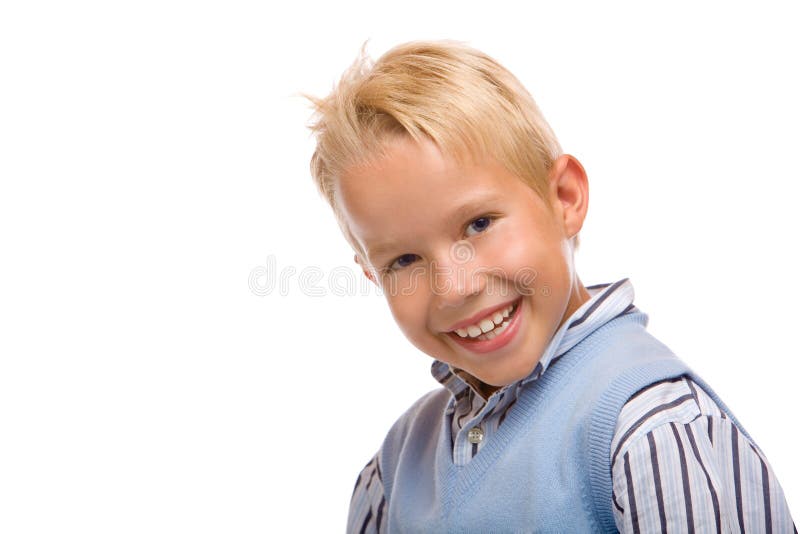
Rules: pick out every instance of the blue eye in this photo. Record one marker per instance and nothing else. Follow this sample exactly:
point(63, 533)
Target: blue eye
point(403, 261)
point(479, 225)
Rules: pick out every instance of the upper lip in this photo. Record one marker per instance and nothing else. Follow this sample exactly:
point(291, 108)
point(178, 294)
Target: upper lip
point(483, 314)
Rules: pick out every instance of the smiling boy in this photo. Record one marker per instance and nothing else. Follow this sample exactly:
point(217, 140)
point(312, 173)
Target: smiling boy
point(558, 411)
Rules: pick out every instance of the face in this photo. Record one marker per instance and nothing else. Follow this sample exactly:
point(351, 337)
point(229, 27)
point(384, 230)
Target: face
point(477, 271)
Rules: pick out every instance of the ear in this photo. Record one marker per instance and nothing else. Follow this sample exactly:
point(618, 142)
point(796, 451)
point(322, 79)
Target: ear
point(367, 272)
point(569, 188)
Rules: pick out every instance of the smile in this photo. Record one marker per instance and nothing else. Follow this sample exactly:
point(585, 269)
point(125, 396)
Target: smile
point(490, 333)
point(491, 326)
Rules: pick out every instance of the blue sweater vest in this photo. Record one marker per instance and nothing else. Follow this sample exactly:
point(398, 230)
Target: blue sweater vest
point(548, 468)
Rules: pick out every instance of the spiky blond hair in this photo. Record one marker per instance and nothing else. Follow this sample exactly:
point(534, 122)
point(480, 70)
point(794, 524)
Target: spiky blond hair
point(458, 97)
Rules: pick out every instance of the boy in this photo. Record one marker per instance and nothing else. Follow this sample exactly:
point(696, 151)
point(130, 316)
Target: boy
point(558, 412)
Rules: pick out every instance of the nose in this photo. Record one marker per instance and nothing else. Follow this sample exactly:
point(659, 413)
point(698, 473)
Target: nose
point(454, 278)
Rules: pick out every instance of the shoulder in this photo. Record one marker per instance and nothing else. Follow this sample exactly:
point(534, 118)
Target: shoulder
point(674, 400)
point(368, 503)
point(680, 455)
point(677, 401)
point(413, 433)
point(621, 357)
point(424, 416)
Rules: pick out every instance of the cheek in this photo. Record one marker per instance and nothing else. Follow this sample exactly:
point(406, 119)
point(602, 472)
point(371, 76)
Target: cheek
point(408, 313)
point(513, 255)
point(529, 261)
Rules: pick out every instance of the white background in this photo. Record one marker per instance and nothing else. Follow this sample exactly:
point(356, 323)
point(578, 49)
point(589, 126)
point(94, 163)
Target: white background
point(153, 154)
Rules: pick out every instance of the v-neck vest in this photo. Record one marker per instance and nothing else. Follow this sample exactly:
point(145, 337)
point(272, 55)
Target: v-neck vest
point(548, 467)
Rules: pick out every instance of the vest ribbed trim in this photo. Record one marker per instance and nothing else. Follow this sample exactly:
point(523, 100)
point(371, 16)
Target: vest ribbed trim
point(603, 424)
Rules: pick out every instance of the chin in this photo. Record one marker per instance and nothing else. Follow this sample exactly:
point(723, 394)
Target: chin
point(499, 380)
point(509, 377)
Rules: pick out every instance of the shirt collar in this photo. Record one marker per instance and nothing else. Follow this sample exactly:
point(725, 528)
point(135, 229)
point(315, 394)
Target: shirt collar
point(606, 302)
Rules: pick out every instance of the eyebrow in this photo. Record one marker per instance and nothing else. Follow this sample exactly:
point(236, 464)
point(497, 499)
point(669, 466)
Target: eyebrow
point(470, 206)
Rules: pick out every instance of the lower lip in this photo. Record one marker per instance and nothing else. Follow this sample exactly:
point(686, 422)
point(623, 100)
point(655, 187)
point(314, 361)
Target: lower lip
point(497, 342)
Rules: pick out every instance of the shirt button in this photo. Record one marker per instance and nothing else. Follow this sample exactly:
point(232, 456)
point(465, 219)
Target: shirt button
point(475, 435)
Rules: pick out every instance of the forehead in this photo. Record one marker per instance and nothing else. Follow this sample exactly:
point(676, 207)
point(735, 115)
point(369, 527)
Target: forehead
point(415, 191)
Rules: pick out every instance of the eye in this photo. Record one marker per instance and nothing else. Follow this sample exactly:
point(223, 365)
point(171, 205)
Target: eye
point(479, 225)
point(402, 261)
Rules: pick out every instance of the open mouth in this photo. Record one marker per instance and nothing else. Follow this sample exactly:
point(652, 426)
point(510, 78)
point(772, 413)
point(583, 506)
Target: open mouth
point(488, 328)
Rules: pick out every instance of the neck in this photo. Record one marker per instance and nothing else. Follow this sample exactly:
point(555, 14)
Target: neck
point(577, 298)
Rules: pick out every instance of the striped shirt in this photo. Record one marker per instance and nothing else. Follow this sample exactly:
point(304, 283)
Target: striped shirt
point(678, 463)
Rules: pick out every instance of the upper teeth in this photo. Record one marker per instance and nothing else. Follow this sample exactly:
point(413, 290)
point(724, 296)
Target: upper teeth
point(485, 325)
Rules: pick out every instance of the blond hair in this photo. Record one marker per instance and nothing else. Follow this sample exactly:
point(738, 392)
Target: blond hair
point(458, 97)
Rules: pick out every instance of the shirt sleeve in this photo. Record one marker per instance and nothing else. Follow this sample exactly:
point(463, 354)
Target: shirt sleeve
point(368, 503)
point(679, 464)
